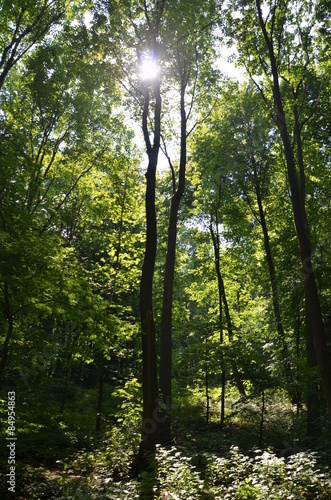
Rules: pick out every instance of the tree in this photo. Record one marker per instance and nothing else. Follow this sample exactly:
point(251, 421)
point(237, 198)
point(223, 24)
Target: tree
point(285, 54)
point(222, 299)
point(149, 30)
point(190, 61)
point(148, 47)
point(58, 134)
point(252, 168)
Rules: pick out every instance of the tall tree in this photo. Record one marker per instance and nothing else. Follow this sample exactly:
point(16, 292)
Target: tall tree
point(223, 300)
point(254, 142)
point(149, 50)
point(190, 59)
point(283, 54)
point(234, 157)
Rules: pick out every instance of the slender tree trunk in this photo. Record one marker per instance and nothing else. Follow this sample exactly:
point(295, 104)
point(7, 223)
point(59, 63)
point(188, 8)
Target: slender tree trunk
point(297, 342)
point(166, 325)
point(222, 397)
point(100, 391)
point(168, 285)
point(223, 299)
point(150, 417)
point(150, 430)
point(262, 418)
point(67, 368)
point(207, 382)
point(273, 279)
point(220, 305)
point(10, 329)
point(313, 401)
point(150, 384)
point(223, 374)
point(64, 393)
point(302, 229)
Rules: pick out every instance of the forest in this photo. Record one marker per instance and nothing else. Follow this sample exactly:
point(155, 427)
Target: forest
point(165, 249)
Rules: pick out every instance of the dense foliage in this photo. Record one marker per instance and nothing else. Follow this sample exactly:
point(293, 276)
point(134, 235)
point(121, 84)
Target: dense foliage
point(192, 360)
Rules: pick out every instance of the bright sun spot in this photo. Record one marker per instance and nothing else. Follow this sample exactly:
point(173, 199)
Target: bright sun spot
point(149, 68)
point(88, 19)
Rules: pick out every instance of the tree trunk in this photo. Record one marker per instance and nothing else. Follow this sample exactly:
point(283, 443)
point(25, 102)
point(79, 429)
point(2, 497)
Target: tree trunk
point(273, 279)
point(262, 418)
point(217, 266)
point(67, 368)
point(150, 385)
point(302, 229)
point(222, 298)
point(223, 374)
point(298, 395)
point(100, 391)
point(10, 321)
point(313, 401)
point(223, 398)
point(207, 382)
point(166, 325)
point(149, 435)
point(150, 417)
point(168, 285)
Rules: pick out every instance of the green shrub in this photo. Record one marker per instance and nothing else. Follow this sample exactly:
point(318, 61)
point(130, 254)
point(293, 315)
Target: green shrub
point(176, 475)
point(267, 476)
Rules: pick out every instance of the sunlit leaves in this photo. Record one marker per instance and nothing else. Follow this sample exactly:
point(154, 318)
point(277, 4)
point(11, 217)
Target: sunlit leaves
point(71, 202)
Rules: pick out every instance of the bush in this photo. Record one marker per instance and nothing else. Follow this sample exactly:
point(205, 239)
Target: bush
point(176, 475)
point(267, 476)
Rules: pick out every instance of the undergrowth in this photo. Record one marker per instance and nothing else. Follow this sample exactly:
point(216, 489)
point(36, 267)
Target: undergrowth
point(178, 473)
point(204, 462)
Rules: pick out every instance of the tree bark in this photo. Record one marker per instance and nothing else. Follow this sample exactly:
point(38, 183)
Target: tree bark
point(150, 417)
point(302, 228)
point(313, 401)
point(10, 321)
point(150, 385)
point(216, 244)
point(298, 395)
point(101, 362)
point(223, 299)
point(273, 279)
point(207, 382)
point(149, 436)
point(168, 285)
point(262, 418)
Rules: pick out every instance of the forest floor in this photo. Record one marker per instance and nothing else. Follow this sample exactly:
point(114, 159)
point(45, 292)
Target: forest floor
point(204, 462)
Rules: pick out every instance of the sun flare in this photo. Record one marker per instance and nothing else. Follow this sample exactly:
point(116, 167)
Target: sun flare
point(149, 68)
